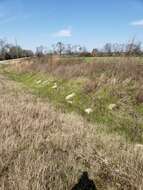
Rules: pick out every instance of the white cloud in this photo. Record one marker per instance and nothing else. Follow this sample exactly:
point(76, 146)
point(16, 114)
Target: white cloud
point(64, 33)
point(137, 23)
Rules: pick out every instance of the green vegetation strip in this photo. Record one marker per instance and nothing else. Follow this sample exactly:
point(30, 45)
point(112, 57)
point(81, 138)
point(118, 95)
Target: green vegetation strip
point(69, 95)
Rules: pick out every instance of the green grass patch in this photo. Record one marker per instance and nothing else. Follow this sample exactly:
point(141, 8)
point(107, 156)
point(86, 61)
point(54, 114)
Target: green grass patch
point(56, 90)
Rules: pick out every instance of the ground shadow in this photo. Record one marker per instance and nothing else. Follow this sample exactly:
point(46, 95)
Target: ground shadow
point(84, 183)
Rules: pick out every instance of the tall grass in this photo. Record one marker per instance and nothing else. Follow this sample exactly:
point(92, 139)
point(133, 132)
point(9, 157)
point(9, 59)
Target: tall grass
point(96, 84)
point(120, 68)
point(41, 148)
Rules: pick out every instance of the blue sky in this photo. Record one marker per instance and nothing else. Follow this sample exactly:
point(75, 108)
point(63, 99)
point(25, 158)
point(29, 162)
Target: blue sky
point(87, 22)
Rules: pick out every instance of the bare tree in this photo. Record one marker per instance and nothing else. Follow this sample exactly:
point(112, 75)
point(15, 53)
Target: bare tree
point(133, 48)
point(59, 48)
point(108, 48)
point(68, 49)
point(94, 52)
point(3, 48)
point(40, 51)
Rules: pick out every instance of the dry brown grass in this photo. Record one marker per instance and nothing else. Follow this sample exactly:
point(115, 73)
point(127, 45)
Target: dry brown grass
point(139, 97)
point(89, 86)
point(121, 69)
point(41, 148)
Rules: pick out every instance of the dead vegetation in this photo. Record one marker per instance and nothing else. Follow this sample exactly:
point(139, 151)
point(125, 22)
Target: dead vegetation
point(139, 97)
point(41, 148)
point(89, 86)
point(67, 68)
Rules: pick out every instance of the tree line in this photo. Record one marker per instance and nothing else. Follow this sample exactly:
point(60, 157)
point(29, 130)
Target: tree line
point(10, 51)
point(116, 49)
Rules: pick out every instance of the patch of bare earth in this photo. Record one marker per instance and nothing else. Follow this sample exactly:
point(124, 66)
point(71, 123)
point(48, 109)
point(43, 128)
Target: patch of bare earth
point(41, 148)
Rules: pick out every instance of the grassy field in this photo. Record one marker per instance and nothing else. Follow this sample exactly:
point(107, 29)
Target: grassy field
point(108, 59)
point(108, 90)
point(112, 59)
point(94, 123)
